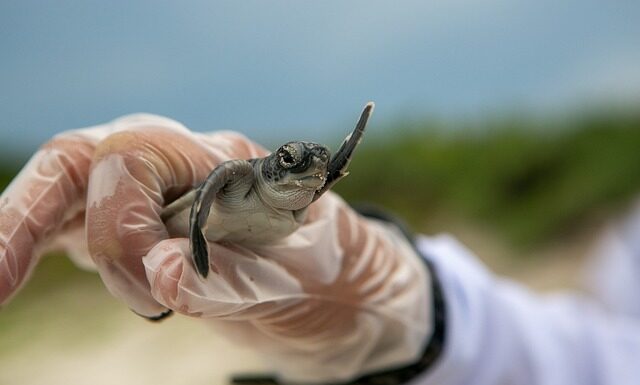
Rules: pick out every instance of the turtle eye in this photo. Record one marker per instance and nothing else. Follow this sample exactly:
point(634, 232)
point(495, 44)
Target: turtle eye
point(287, 160)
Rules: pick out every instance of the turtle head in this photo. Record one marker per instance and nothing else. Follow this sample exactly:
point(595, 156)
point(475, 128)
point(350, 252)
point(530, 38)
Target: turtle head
point(294, 172)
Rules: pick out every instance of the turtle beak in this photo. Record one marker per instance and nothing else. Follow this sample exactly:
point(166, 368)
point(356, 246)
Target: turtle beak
point(316, 174)
point(320, 162)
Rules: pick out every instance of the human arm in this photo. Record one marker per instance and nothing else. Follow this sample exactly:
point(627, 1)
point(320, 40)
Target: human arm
point(499, 332)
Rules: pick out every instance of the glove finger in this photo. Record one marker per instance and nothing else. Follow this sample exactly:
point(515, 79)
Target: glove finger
point(47, 193)
point(241, 285)
point(134, 174)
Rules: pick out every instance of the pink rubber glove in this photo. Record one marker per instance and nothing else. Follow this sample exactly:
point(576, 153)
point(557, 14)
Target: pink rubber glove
point(340, 297)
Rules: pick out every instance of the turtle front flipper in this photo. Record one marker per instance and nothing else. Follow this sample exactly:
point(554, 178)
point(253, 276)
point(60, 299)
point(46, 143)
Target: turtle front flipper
point(222, 176)
point(337, 168)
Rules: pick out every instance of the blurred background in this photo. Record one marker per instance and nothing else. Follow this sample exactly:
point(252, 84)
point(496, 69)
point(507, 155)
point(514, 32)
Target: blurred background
point(513, 125)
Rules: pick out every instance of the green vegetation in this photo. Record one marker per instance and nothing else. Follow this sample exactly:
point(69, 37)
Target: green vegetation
point(530, 180)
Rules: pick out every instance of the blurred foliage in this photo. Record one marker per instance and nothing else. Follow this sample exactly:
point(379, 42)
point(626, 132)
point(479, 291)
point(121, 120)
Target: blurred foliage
point(532, 180)
point(7, 172)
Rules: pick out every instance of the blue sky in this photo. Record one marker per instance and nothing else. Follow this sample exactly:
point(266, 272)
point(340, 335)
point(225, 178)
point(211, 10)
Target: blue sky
point(278, 70)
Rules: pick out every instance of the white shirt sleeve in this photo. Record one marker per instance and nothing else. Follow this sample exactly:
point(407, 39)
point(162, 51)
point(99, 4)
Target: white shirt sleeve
point(498, 332)
point(614, 269)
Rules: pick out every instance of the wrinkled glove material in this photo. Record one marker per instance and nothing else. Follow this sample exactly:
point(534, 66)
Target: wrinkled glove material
point(340, 297)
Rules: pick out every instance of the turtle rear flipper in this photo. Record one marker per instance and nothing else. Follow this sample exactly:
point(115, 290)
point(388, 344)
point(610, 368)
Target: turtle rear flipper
point(340, 161)
point(222, 176)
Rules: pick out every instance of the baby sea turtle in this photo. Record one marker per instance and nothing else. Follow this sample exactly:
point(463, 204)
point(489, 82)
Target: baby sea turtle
point(263, 199)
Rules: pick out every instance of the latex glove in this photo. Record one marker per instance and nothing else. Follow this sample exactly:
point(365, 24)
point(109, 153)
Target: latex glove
point(340, 297)
point(108, 182)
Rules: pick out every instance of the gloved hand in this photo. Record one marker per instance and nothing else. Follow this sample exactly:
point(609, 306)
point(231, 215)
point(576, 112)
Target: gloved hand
point(340, 297)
